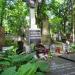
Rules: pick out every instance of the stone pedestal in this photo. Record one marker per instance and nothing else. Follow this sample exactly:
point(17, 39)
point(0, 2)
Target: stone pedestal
point(34, 35)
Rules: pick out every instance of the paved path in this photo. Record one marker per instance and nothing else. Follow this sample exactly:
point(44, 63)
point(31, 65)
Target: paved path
point(70, 57)
point(61, 66)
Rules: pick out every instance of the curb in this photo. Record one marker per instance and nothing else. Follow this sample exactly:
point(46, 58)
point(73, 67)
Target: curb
point(66, 58)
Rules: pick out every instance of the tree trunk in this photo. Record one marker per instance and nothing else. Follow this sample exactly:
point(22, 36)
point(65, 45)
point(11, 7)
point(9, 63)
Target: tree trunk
point(73, 18)
point(2, 12)
point(2, 36)
point(2, 30)
point(45, 32)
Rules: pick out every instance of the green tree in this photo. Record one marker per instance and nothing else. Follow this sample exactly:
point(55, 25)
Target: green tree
point(13, 15)
point(2, 11)
point(16, 16)
point(55, 24)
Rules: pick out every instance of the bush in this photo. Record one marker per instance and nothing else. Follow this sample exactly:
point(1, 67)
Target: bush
point(72, 47)
point(9, 42)
point(23, 65)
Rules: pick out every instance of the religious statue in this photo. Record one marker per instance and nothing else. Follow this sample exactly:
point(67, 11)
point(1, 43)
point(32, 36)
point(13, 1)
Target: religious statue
point(32, 3)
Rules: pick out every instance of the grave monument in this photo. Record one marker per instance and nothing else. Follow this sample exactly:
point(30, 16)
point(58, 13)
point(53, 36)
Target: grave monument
point(34, 32)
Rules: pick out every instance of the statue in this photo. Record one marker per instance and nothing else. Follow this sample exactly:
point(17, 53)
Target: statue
point(32, 3)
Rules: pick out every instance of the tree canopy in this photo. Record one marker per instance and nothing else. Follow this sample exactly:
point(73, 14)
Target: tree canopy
point(14, 16)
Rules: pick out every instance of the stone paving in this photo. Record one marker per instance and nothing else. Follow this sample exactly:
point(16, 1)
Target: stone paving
point(59, 66)
point(70, 57)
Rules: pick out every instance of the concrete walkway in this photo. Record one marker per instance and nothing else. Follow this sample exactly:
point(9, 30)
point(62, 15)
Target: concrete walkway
point(59, 66)
point(70, 57)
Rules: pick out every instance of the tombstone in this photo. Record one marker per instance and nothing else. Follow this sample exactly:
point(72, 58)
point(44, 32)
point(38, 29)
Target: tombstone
point(34, 35)
point(34, 32)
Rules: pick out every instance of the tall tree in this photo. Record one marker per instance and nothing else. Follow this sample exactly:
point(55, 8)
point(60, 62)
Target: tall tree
point(2, 32)
point(16, 13)
point(2, 12)
point(73, 19)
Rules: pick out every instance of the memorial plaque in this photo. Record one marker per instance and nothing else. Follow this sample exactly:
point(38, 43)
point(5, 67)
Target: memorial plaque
point(34, 36)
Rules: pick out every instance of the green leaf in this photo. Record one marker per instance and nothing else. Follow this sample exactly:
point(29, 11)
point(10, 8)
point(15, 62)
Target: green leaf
point(40, 73)
point(43, 66)
point(10, 71)
point(21, 58)
point(33, 69)
point(24, 69)
point(4, 63)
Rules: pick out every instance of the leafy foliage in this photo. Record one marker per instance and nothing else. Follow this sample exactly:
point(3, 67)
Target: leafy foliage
point(24, 69)
point(24, 65)
point(13, 15)
point(20, 58)
point(55, 24)
point(4, 63)
point(39, 73)
point(43, 66)
point(10, 71)
point(72, 47)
